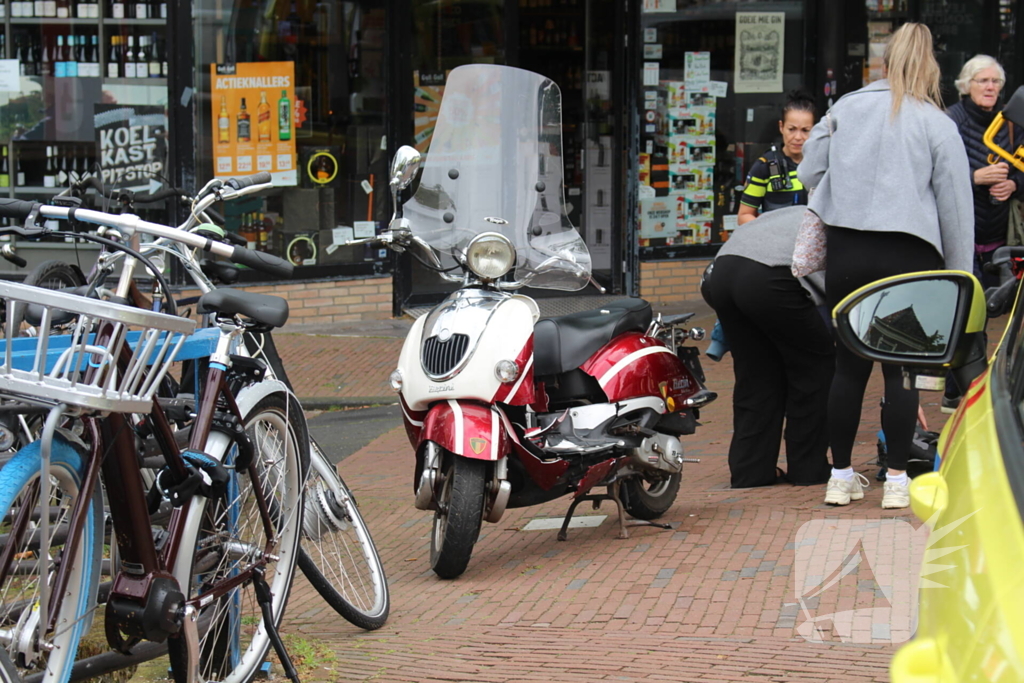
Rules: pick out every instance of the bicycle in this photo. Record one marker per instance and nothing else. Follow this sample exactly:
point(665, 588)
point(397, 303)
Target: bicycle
point(337, 553)
point(201, 585)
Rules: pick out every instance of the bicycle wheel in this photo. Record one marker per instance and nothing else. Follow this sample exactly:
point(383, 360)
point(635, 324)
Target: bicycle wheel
point(232, 640)
point(20, 592)
point(337, 554)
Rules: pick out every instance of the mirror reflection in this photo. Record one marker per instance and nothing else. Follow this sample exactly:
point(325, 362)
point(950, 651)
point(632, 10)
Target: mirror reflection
point(915, 318)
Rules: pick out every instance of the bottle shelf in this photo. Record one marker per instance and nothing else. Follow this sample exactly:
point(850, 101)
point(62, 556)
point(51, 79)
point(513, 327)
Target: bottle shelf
point(136, 81)
point(51, 21)
point(136, 22)
point(35, 189)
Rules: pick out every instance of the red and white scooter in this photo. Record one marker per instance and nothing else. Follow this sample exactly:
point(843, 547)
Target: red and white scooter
point(503, 409)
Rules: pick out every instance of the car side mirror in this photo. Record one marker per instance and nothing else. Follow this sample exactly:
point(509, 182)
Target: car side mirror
point(928, 322)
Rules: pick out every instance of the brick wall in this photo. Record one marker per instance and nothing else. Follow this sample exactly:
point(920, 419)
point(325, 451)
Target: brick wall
point(331, 301)
point(664, 283)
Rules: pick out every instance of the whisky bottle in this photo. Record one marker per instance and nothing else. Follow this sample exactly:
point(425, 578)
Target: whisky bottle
point(263, 118)
point(223, 122)
point(244, 124)
point(284, 117)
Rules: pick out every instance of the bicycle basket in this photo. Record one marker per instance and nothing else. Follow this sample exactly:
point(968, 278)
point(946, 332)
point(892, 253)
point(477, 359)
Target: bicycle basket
point(82, 369)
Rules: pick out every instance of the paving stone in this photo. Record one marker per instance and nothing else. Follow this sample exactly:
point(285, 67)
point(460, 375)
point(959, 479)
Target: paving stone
point(576, 584)
point(730, 575)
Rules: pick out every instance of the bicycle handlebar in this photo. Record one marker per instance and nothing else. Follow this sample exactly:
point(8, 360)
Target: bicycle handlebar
point(16, 209)
point(248, 181)
point(129, 223)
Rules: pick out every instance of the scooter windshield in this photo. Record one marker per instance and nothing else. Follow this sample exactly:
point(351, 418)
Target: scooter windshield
point(495, 165)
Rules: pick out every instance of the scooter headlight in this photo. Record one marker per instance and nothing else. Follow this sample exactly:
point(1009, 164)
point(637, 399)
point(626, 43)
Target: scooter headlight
point(396, 380)
point(506, 371)
point(490, 255)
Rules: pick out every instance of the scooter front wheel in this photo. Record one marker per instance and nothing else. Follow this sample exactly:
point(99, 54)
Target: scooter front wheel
point(460, 510)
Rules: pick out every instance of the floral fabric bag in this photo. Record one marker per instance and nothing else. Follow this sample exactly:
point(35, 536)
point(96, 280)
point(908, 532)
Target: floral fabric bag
point(809, 250)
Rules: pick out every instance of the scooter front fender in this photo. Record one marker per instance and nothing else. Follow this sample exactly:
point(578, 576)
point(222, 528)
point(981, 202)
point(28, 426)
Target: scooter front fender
point(467, 428)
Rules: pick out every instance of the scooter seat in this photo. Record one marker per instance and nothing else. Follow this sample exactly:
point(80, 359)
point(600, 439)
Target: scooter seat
point(565, 342)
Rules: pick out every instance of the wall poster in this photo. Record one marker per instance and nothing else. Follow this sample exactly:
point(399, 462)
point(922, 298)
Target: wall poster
point(253, 109)
point(760, 39)
point(426, 104)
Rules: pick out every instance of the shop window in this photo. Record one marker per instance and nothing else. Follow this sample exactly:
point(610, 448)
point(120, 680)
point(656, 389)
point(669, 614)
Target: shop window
point(298, 89)
point(713, 80)
point(84, 70)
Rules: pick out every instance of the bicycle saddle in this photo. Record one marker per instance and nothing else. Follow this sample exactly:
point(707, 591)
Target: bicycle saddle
point(34, 312)
point(263, 308)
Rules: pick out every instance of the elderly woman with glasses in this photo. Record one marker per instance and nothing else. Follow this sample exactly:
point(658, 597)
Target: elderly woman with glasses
point(980, 84)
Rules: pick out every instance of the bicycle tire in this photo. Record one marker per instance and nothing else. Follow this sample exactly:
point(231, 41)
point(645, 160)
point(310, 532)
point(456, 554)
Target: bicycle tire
point(337, 554)
point(76, 609)
point(353, 571)
point(232, 641)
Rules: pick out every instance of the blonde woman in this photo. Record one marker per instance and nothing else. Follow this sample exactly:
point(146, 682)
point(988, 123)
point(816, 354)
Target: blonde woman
point(894, 191)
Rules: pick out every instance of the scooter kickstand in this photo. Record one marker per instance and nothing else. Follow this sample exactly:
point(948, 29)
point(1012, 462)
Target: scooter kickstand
point(263, 597)
point(613, 493)
point(562, 533)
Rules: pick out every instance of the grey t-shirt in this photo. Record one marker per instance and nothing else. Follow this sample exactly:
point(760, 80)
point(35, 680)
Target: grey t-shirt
point(769, 239)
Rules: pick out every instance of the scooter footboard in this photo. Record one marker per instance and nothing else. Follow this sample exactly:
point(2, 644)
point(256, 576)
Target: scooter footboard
point(466, 428)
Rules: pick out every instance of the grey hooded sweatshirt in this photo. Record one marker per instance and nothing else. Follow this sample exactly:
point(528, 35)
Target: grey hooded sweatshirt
point(907, 173)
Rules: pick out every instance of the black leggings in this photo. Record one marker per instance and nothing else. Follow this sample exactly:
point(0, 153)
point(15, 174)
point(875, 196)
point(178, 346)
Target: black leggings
point(857, 258)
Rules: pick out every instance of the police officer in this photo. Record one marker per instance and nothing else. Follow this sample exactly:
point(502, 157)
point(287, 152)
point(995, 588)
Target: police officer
point(772, 182)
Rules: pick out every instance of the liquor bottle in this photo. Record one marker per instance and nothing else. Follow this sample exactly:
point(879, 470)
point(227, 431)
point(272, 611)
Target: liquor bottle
point(154, 57)
point(223, 122)
point(284, 117)
point(19, 173)
point(72, 64)
point(5, 170)
point(46, 60)
point(114, 59)
point(94, 56)
point(244, 125)
point(163, 9)
point(163, 62)
point(129, 59)
point(38, 8)
point(117, 9)
point(62, 170)
point(49, 174)
point(142, 10)
point(60, 64)
point(142, 58)
point(49, 8)
point(263, 118)
point(63, 9)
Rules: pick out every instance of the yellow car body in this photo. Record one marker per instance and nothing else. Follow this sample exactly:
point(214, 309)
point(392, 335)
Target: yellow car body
point(971, 603)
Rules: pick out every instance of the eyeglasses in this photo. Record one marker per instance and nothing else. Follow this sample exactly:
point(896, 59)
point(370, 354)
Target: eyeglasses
point(998, 82)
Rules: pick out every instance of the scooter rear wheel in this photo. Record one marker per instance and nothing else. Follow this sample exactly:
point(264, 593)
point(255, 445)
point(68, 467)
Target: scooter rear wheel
point(460, 510)
point(644, 499)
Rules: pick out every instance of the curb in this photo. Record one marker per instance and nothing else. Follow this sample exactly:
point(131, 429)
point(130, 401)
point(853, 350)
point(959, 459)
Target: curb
point(329, 402)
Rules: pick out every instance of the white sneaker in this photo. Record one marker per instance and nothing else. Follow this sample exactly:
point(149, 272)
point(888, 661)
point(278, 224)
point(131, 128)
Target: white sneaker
point(895, 495)
point(842, 491)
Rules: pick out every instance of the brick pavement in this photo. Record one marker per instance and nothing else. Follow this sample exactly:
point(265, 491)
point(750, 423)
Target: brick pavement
point(713, 598)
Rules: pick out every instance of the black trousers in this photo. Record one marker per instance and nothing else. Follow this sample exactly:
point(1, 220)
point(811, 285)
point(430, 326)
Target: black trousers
point(857, 258)
point(783, 360)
